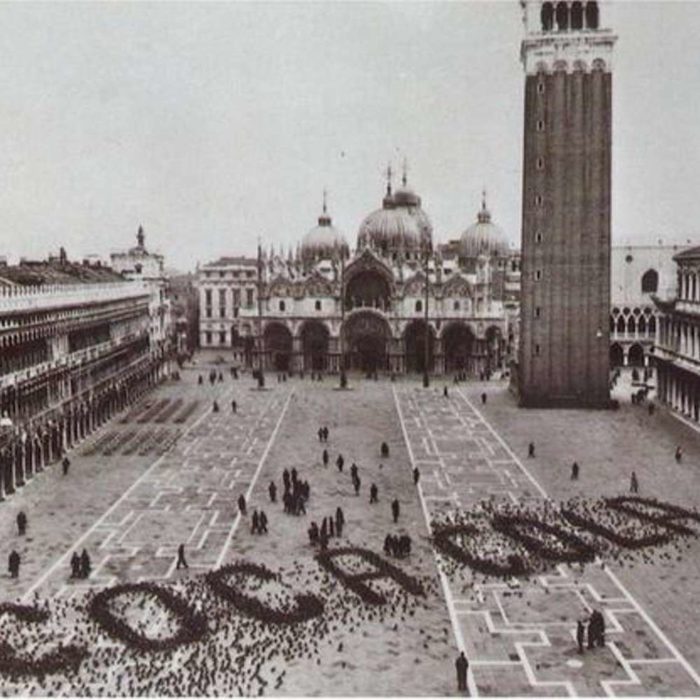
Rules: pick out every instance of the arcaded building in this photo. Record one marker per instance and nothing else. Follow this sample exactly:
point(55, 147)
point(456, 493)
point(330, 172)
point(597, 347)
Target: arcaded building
point(368, 306)
point(565, 296)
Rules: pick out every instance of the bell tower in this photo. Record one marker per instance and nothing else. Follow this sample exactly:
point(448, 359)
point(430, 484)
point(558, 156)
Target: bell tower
point(565, 296)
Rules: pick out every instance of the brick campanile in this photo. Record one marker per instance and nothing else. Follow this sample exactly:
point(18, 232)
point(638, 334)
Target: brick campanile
point(565, 298)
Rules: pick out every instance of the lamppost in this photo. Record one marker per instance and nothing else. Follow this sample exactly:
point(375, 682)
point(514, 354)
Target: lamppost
point(426, 339)
point(261, 376)
point(343, 376)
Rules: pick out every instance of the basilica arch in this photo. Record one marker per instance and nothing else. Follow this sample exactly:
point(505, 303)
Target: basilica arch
point(414, 347)
point(278, 346)
point(458, 347)
point(368, 284)
point(315, 345)
point(366, 336)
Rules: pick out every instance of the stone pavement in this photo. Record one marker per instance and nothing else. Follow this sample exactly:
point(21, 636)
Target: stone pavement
point(521, 639)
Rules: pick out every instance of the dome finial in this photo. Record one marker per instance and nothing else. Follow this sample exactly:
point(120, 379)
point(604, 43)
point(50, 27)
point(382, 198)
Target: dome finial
point(324, 219)
point(140, 237)
point(404, 177)
point(325, 200)
point(484, 216)
point(388, 179)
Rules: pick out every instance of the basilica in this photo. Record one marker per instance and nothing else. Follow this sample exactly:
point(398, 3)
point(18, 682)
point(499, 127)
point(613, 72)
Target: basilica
point(396, 302)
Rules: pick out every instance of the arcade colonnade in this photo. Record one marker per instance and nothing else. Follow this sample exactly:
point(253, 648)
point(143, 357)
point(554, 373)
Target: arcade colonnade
point(371, 342)
point(30, 446)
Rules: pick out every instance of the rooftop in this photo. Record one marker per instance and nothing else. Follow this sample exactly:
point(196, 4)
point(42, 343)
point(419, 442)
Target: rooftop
point(54, 272)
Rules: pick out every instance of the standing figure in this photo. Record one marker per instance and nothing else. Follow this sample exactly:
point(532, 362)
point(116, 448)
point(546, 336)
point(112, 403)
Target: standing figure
point(85, 565)
point(483, 399)
point(234, 406)
point(324, 456)
point(339, 521)
point(241, 504)
point(679, 454)
point(445, 393)
point(255, 525)
point(21, 523)
point(385, 450)
point(340, 462)
point(13, 563)
point(356, 483)
point(574, 471)
point(416, 476)
point(272, 489)
point(66, 465)
point(462, 666)
point(580, 635)
point(75, 565)
point(395, 508)
point(531, 449)
point(373, 493)
point(634, 484)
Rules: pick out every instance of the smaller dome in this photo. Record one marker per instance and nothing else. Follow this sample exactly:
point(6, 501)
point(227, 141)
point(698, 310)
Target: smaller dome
point(323, 240)
point(484, 237)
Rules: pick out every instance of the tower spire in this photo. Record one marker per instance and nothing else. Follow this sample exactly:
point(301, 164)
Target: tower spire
point(388, 180)
point(404, 177)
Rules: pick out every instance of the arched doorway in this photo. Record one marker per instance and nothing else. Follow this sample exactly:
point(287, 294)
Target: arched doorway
point(414, 347)
point(367, 289)
point(366, 336)
point(278, 346)
point(494, 348)
point(616, 355)
point(314, 340)
point(635, 356)
point(458, 347)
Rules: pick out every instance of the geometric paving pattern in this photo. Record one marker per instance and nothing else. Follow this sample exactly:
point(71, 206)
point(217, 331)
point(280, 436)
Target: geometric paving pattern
point(187, 496)
point(520, 636)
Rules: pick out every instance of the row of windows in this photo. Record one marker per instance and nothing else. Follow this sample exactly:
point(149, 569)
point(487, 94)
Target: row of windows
point(250, 297)
point(248, 274)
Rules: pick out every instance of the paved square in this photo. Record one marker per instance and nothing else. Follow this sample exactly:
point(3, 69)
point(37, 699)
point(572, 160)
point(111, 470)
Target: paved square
point(170, 472)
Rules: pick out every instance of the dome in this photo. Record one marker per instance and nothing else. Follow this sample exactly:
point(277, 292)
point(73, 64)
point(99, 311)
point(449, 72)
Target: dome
point(399, 226)
point(323, 241)
point(484, 237)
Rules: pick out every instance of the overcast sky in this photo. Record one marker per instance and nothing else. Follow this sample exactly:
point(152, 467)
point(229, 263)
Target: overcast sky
point(213, 124)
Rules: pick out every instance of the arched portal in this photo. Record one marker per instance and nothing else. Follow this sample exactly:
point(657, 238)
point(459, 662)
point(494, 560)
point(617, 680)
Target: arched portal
point(367, 289)
point(278, 346)
point(494, 348)
point(458, 347)
point(414, 347)
point(314, 342)
point(616, 355)
point(635, 356)
point(366, 336)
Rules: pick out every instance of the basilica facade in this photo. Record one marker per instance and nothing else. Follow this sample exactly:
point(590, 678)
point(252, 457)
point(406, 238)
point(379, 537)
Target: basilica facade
point(396, 302)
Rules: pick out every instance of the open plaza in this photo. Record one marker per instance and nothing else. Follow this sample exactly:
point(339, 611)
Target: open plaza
point(170, 471)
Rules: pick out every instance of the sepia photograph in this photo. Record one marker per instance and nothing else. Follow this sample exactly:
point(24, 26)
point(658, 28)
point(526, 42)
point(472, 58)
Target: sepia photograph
point(350, 349)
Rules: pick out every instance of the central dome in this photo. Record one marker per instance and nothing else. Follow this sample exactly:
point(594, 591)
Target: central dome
point(399, 227)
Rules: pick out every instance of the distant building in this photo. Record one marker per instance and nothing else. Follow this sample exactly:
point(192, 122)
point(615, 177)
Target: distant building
point(564, 322)
point(324, 304)
point(639, 273)
point(184, 310)
point(74, 349)
point(138, 263)
point(677, 350)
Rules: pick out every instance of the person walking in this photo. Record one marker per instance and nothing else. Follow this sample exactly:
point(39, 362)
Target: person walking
point(580, 635)
point(324, 456)
point(181, 561)
point(21, 523)
point(445, 392)
point(75, 565)
point(395, 509)
point(234, 406)
point(574, 471)
point(65, 463)
point(679, 454)
point(356, 482)
point(85, 565)
point(531, 449)
point(483, 399)
point(241, 504)
point(634, 484)
point(340, 462)
point(373, 494)
point(416, 476)
point(272, 490)
point(462, 666)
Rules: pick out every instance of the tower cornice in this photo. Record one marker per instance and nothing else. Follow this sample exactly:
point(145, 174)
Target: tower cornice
point(571, 51)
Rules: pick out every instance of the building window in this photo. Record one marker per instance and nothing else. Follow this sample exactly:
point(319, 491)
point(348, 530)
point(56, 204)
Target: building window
point(538, 237)
point(249, 297)
point(318, 305)
point(538, 275)
point(537, 311)
point(208, 312)
point(221, 275)
point(540, 88)
point(207, 297)
point(236, 297)
point(540, 125)
point(222, 312)
point(207, 337)
point(538, 200)
point(537, 349)
point(222, 337)
point(455, 306)
point(540, 163)
point(222, 297)
point(419, 305)
point(282, 306)
point(650, 282)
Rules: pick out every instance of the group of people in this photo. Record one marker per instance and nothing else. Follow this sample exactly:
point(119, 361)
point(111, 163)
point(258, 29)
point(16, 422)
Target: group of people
point(323, 434)
point(296, 493)
point(215, 377)
point(330, 527)
point(80, 565)
point(259, 523)
point(596, 631)
point(397, 545)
